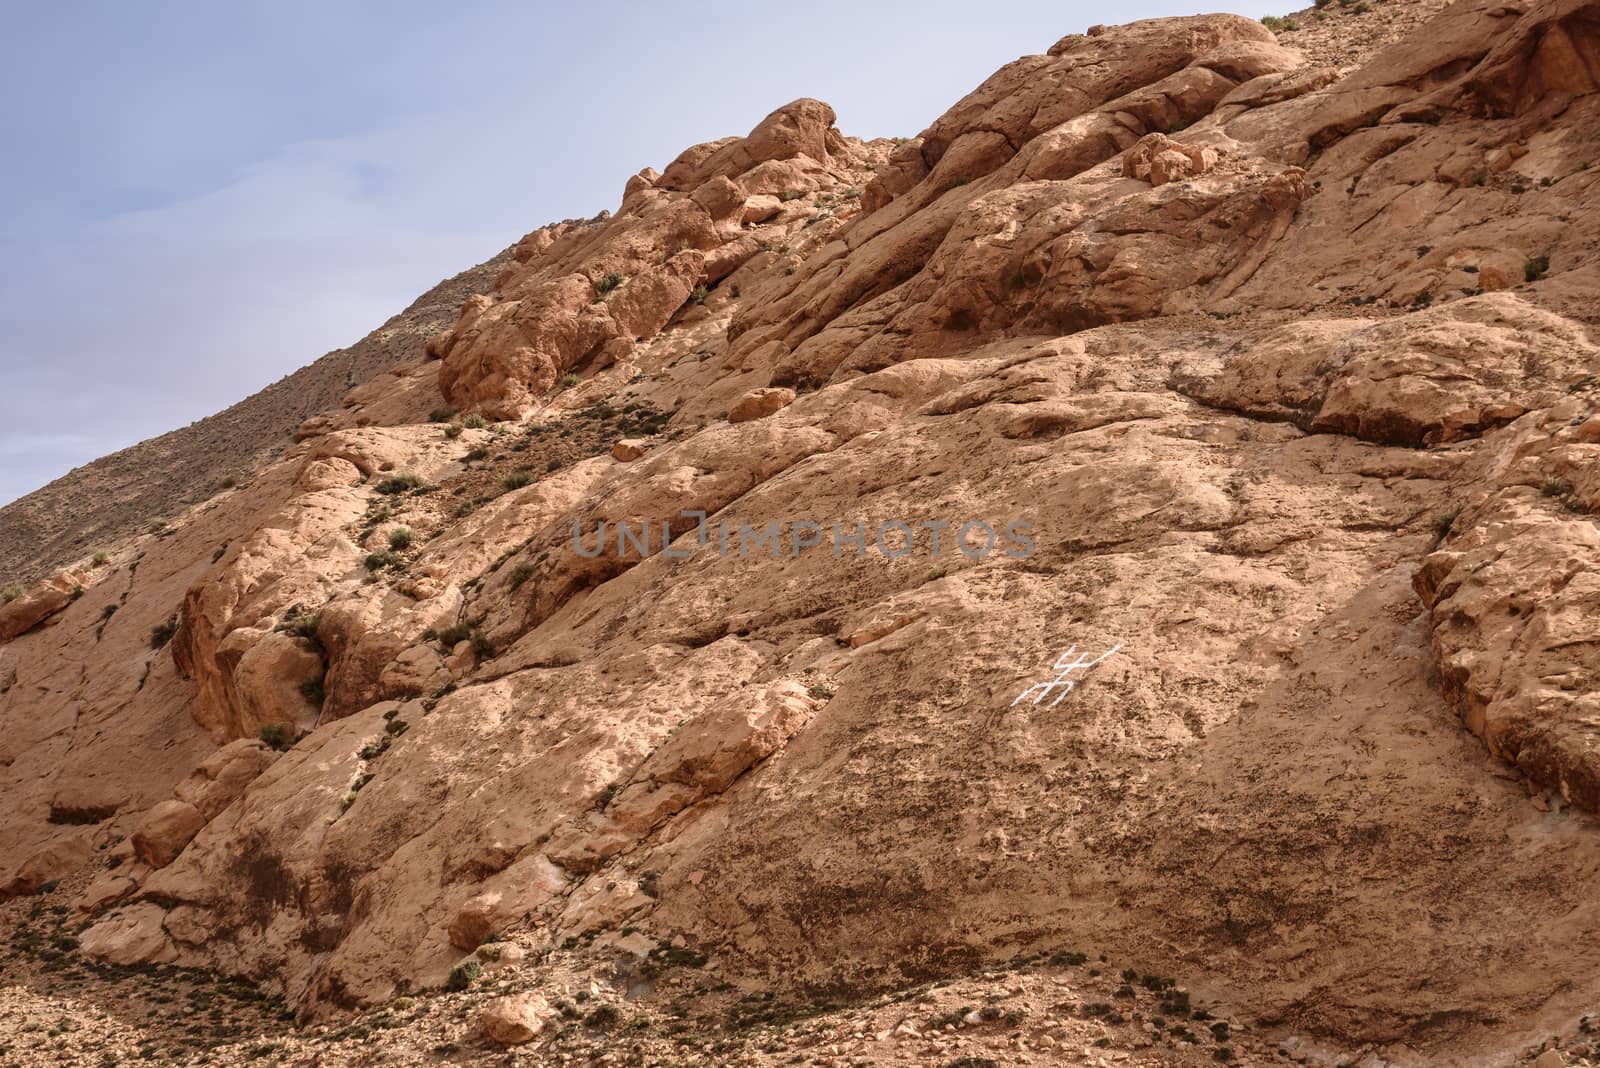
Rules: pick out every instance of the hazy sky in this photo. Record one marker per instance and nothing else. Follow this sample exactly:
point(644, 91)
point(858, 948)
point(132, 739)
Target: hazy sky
point(198, 198)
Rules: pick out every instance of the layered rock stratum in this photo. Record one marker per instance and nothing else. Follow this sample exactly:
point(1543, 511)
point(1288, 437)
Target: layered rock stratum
point(1269, 369)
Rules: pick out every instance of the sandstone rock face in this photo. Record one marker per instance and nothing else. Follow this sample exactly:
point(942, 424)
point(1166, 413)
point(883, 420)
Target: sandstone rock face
point(1167, 350)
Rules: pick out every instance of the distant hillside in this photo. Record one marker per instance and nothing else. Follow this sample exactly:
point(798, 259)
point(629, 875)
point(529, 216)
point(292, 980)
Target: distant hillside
point(120, 494)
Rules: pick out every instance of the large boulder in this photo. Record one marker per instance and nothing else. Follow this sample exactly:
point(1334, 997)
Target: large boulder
point(515, 1019)
point(165, 830)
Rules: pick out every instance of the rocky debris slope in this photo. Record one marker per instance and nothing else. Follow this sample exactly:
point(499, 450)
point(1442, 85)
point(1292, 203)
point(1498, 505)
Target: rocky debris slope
point(1067, 1008)
point(716, 584)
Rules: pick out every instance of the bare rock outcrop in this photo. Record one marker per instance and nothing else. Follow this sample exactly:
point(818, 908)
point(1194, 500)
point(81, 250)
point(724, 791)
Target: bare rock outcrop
point(31, 607)
point(581, 292)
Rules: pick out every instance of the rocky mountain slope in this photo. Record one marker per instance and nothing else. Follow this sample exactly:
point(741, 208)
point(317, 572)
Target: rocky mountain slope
point(121, 495)
point(1110, 579)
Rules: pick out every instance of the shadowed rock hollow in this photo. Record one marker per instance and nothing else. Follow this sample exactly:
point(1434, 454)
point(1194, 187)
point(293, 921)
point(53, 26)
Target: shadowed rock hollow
point(1284, 369)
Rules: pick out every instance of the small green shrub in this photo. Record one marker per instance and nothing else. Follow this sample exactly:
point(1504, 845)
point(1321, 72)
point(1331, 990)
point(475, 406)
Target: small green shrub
point(162, 633)
point(475, 422)
point(482, 647)
point(603, 1017)
point(1444, 522)
point(1478, 179)
point(479, 453)
point(379, 561)
point(608, 284)
point(397, 484)
point(302, 626)
point(1555, 487)
point(1536, 268)
point(453, 431)
point(100, 559)
point(400, 538)
point(462, 975)
point(516, 480)
point(956, 183)
point(11, 593)
point(790, 194)
point(699, 295)
point(314, 691)
point(279, 736)
point(453, 636)
point(569, 380)
point(440, 415)
point(520, 574)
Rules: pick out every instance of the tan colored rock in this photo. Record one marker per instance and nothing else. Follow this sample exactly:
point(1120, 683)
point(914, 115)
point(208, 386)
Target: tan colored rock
point(643, 306)
point(1158, 159)
point(759, 403)
point(801, 128)
point(475, 921)
point(515, 1019)
point(60, 856)
point(627, 450)
point(165, 830)
point(501, 953)
point(720, 196)
point(745, 728)
point(760, 209)
point(223, 776)
point(417, 671)
point(107, 890)
point(270, 677)
point(136, 936)
point(37, 604)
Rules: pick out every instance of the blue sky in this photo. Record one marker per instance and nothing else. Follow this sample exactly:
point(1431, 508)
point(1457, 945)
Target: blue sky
point(197, 199)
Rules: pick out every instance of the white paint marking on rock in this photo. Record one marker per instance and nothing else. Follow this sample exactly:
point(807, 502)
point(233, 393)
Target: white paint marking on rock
point(1062, 682)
